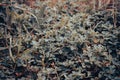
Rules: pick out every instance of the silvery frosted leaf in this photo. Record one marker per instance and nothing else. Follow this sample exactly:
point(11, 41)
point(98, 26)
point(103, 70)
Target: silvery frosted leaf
point(62, 38)
point(46, 40)
point(90, 54)
point(116, 78)
point(35, 43)
point(86, 60)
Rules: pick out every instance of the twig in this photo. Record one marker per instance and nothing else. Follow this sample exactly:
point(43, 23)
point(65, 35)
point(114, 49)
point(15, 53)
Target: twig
point(28, 13)
point(114, 12)
point(3, 48)
point(98, 24)
point(25, 29)
point(10, 52)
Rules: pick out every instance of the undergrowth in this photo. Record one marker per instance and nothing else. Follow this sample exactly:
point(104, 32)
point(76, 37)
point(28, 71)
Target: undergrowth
point(22, 22)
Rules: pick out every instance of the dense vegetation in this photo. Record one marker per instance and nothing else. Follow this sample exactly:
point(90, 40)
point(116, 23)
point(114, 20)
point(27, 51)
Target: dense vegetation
point(59, 40)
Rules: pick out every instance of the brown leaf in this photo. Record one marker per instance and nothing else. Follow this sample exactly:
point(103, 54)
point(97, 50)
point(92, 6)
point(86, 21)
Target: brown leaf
point(95, 40)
